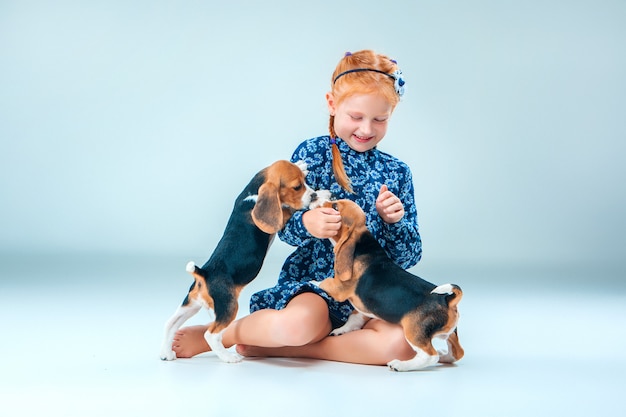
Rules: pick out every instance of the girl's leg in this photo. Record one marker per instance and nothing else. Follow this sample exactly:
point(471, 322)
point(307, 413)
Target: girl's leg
point(377, 343)
point(304, 320)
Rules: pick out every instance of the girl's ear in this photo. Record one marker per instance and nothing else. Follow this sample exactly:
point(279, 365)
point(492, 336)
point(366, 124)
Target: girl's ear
point(330, 101)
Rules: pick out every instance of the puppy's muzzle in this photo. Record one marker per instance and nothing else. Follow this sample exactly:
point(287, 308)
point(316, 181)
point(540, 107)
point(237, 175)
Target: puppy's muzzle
point(319, 197)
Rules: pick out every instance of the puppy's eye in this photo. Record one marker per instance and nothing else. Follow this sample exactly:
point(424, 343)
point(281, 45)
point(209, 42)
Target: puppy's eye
point(298, 187)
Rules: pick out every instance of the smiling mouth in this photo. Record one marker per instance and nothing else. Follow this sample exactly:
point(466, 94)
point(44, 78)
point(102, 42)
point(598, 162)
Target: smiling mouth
point(361, 138)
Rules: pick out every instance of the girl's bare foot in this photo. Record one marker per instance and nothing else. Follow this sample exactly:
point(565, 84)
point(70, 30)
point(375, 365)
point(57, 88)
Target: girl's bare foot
point(247, 350)
point(264, 352)
point(189, 341)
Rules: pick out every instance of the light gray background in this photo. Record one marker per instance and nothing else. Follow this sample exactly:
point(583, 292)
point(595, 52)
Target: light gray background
point(131, 126)
point(127, 128)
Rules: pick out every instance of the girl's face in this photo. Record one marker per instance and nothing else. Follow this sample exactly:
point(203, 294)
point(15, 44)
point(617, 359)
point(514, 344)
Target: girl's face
point(360, 120)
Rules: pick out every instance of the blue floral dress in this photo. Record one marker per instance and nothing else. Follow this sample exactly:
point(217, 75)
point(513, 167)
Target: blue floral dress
point(313, 258)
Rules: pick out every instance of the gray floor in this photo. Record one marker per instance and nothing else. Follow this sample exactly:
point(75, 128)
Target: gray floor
point(81, 337)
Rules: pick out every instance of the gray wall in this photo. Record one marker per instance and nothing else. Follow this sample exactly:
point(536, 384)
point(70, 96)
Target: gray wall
point(131, 126)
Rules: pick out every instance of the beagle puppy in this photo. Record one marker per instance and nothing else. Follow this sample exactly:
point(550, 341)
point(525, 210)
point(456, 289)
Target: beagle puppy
point(261, 210)
point(378, 288)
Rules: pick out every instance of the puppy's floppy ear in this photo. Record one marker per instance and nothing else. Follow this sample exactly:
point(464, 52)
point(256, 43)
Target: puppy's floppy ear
point(344, 251)
point(267, 213)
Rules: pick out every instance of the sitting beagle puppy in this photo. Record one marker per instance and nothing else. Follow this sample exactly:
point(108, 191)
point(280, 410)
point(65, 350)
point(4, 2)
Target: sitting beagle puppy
point(379, 288)
point(261, 210)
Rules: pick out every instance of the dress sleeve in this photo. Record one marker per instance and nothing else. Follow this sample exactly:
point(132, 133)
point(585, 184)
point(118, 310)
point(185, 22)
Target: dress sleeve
point(402, 240)
point(294, 233)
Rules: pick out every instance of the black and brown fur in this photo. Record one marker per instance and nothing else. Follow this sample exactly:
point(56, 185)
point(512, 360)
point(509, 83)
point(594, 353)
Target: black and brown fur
point(378, 287)
point(261, 210)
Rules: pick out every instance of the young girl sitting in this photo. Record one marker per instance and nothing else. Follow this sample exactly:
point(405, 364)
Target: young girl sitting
point(295, 317)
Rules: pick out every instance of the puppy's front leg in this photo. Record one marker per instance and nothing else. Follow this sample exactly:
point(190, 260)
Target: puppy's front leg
point(181, 315)
point(355, 322)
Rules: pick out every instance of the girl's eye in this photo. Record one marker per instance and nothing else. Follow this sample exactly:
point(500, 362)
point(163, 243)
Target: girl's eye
point(356, 117)
point(380, 120)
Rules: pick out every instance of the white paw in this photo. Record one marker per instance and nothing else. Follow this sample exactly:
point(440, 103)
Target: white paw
point(340, 331)
point(445, 357)
point(355, 321)
point(168, 356)
point(396, 365)
point(230, 357)
point(415, 364)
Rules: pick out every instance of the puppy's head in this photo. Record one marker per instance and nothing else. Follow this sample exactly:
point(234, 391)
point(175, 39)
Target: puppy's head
point(352, 218)
point(283, 192)
point(352, 226)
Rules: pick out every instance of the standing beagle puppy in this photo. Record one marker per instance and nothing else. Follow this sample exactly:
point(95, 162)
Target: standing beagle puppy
point(379, 288)
point(261, 210)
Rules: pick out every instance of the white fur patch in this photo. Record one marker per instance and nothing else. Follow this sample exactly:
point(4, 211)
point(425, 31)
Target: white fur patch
point(443, 289)
point(302, 165)
point(180, 316)
point(355, 321)
point(215, 342)
point(420, 361)
point(322, 196)
point(253, 198)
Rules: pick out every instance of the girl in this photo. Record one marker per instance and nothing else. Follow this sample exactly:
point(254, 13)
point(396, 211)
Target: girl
point(294, 318)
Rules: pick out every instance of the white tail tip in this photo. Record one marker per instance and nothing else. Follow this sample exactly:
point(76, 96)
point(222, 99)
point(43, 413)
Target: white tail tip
point(443, 289)
point(191, 266)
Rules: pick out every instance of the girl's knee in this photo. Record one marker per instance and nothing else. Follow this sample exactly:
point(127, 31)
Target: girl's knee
point(399, 348)
point(300, 329)
point(394, 344)
point(304, 323)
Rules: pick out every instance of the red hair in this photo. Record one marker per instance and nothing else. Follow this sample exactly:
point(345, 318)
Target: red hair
point(344, 85)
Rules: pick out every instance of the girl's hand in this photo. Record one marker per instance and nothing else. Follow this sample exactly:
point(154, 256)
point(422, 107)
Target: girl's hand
point(322, 222)
point(388, 206)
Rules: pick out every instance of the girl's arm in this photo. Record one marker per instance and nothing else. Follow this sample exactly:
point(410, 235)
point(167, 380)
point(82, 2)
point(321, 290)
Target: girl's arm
point(294, 233)
point(402, 240)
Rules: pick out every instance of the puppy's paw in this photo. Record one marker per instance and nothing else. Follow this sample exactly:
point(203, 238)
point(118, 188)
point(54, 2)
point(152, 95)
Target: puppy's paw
point(230, 357)
point(445, 357)
point(355, 322)
point(396, 365)
point(168, 356)
point(341, 330)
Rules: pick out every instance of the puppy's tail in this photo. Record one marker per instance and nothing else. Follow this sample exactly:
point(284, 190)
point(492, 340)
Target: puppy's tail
point(453, 292)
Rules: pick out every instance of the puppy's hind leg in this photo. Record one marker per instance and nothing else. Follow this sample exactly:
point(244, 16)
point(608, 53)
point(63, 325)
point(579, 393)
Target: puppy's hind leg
point(423, 358)
point(455, 351)
point(182, 314)
point(217, 346)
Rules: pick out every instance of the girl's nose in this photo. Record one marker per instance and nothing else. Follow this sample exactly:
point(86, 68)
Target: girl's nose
point(365, 127)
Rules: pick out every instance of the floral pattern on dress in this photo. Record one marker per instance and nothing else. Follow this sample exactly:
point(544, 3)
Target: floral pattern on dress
point(313, 259)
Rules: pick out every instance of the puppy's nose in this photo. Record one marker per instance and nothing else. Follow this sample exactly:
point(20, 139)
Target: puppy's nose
point(313, 196)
